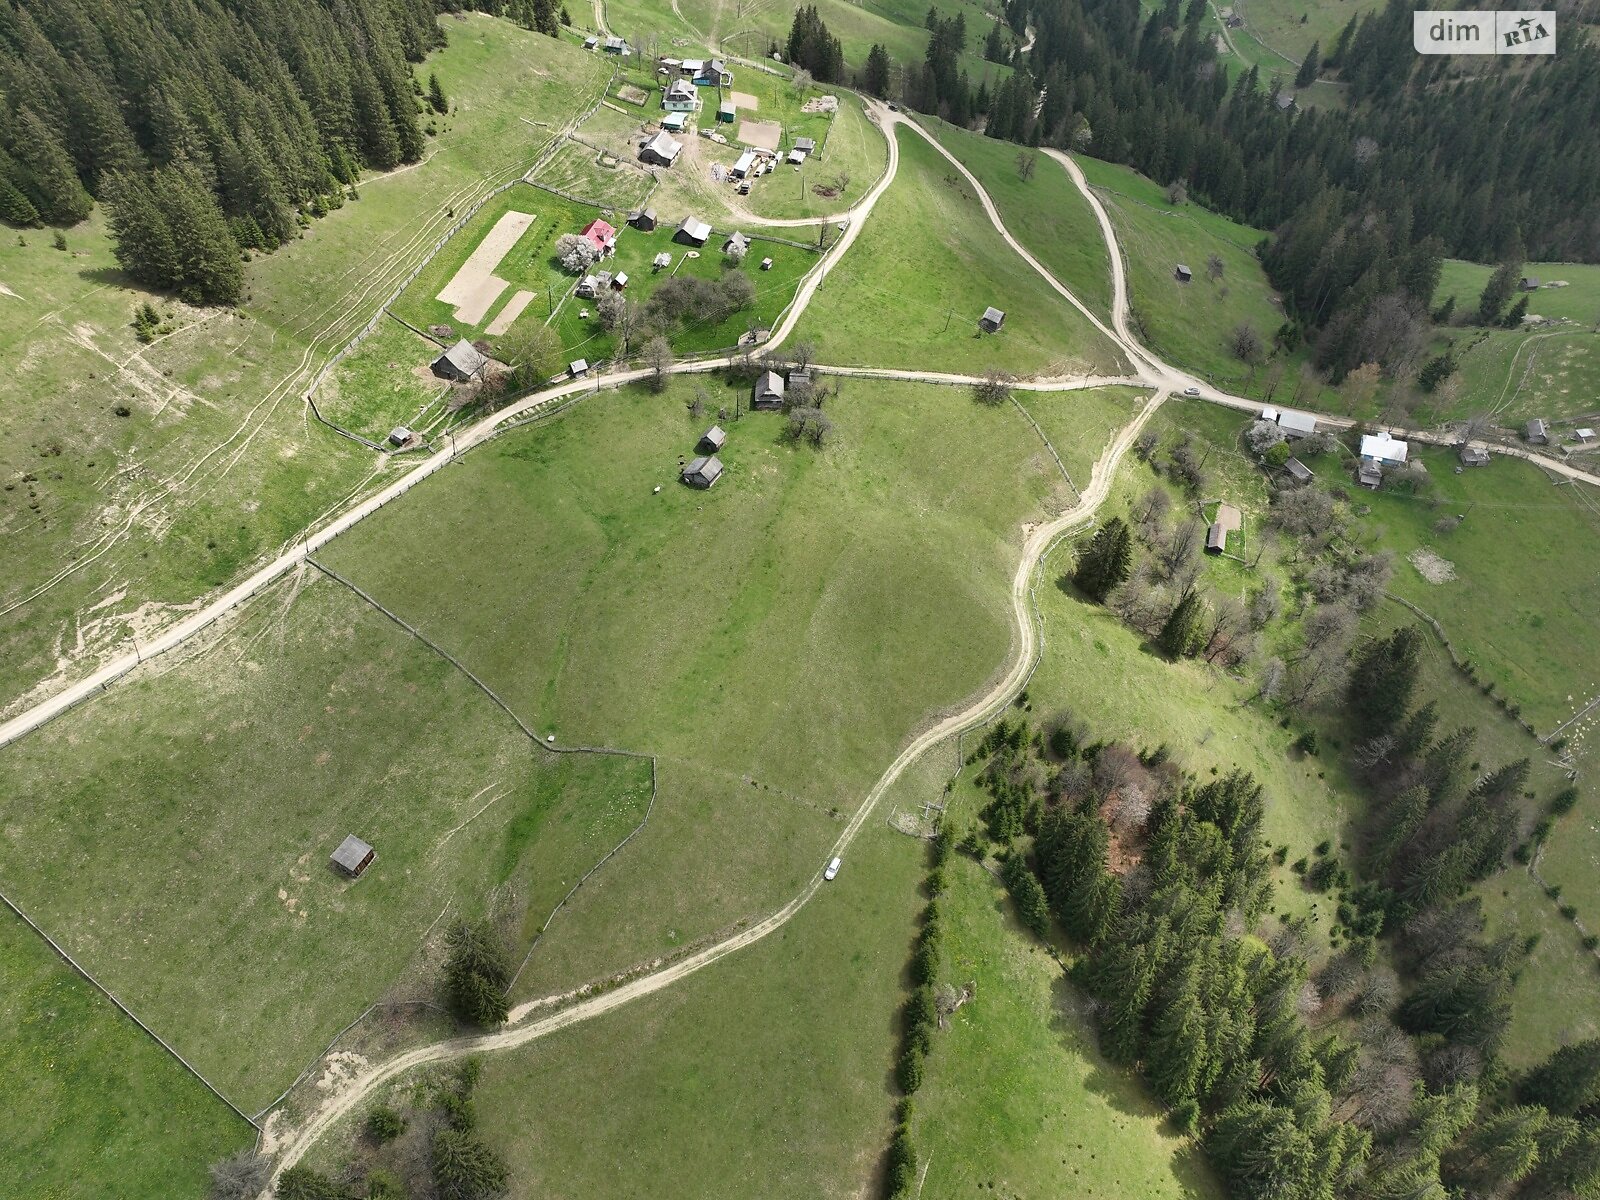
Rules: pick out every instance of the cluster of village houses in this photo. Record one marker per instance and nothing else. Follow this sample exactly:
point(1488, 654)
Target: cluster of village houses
point(770, 388)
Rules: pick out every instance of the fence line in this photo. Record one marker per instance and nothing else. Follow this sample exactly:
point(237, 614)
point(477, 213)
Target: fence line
point(1462, 664)
point(1064, 473)
point(532, 736)
point(126, 1011)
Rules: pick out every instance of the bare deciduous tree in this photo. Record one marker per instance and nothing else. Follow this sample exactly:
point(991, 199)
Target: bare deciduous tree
point(1026, 162)
point(241, 1176)
point(993, 388)
point(1264, 435)
point(1214, 266)
point(1182, 546)
point(658, 353)
point(1246, 343)
point(1177, 192)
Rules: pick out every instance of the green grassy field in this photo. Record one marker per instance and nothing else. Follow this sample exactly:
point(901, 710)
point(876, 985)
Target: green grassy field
point(603, 179)
point(768, 1073)
point(94, 1106)
point(1017, 1100)
point(1189, 324)
point(1578, 301)
point(660, 622)
point(927, 264)
point(1081, 424)
point(384, 383)
point(1044, 212)
point(215, 464)
point(219, 785)
point(1513, 602)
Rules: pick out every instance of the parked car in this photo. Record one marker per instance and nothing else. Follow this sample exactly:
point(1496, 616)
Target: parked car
point(833, 868)
point(1191, 392)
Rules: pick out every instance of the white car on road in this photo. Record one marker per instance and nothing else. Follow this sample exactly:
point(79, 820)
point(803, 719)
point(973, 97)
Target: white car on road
point(833, 868)
point(1191, 392)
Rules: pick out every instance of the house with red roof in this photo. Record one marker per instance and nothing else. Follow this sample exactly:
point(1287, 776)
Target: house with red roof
point(601, 234)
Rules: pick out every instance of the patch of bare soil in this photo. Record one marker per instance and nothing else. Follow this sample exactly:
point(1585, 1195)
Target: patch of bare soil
point(632, 94)
point(1431, 567)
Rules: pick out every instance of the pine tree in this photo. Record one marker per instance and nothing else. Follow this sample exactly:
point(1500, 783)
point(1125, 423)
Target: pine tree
point(1497, 292)
point(477, 974)
point(1513, 319)
point(875, 78)
point(208, 265)
point(1383, 678)
point(1106, 561)
point(1404, 817)
point(49, 179)
point(436, 98)
point(15, 208)
point(1565, 1082)
point(1181, 634)
point(1307, 74)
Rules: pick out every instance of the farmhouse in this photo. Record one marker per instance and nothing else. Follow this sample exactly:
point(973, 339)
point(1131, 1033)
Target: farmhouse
point(1538, 432)
point(660, 150)
point(600, 234)
point(1182, 273)
point(461, 362)
point(400, 435)
point(712, 74)
point(1381, 448)
point(738, 245)
point(1298, 471)
point(675, 122)
point(1474, 456)
point(1229, 520)
point(693, 231)
point(769, 391)
point(615, 45)
point(702, 472)
point(353, 856)
point(991, 320)
point(1296, 424)
point(712, 439)
point(643, 218)
point(680, 97)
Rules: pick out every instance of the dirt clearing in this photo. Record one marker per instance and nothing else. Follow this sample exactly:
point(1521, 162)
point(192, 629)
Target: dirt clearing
point(1431, 567)
point(474, 288)
point(763, 135)
point(509, 314)
point(743, 100)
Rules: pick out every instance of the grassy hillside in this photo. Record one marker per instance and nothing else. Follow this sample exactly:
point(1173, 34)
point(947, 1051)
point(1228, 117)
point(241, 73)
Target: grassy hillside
point(94, 1107)
point(220, 784)
point(1189, 324)
point(1018, 1100)
point(214, 464)
point(910, 291)
point(1044, 211)
point(661, 622)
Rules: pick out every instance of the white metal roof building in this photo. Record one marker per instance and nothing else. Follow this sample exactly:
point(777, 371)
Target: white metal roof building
point(1381, 448)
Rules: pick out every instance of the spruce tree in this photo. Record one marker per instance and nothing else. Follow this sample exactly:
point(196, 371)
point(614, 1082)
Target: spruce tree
point(476, 975)
point(1567, 1081)
point(436, 98)
point(1415, 735)
point(49, 179)
point(1181, 634)
point(875, 78)
point(1307, 74)
point(1106, 561)
point(1497, 292)
point(1383, 678)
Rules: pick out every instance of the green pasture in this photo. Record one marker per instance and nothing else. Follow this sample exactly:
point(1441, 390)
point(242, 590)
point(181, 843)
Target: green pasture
point(1044, 211)
point(928, 262)
point(217, 786)
point(614, 614)
point(94, 1107)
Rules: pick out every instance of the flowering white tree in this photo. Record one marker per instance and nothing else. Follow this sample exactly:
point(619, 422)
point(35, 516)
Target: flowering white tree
point(576, 253)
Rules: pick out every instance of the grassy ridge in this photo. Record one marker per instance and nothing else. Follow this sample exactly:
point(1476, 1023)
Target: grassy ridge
point(927, 264)
point(1044, 212)
point(661, 622)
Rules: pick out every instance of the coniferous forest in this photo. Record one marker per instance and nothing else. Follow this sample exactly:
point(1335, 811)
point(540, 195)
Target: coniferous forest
point(203, 127)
